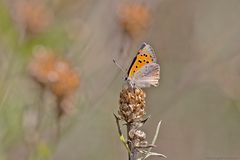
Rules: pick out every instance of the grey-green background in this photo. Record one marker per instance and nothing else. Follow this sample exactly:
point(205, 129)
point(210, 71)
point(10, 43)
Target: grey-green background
point(197, 44)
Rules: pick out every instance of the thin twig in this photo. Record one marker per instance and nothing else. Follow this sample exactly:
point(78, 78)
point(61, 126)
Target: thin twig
point(153, 142)
point(151, 154)
point(121, 135)
point(5, 96)
point(133, 151)
point(156, 134)
point(40, 109)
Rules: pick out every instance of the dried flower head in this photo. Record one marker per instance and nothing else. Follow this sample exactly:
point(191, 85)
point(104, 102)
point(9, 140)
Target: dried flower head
point(134, 19)
point(57, 75)
point(131, 110)
point(138, 138)
point(42, 66)
point(33, 16)
point(137, 134)
point(132, 104)
point(65, 80)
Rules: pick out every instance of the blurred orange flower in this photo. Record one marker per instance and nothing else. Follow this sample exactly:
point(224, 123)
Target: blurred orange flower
point(134, 19)
point(42, 66)
point(33, 16)
point(65, 81)
point(56, 74)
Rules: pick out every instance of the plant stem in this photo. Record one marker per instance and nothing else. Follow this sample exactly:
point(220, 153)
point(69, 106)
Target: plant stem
point(40, 109)
point(128, 142)
point(133, 152)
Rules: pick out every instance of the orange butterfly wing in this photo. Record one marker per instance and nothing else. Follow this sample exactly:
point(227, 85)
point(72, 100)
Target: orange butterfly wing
point(142, 58)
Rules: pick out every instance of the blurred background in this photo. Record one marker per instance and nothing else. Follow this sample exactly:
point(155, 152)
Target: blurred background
point(59, 86)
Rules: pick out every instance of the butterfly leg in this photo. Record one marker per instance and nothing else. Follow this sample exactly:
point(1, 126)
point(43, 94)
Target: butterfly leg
point(123, 140)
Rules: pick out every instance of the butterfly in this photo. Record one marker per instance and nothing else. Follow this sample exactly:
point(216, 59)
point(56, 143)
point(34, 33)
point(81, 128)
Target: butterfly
point(144, 70)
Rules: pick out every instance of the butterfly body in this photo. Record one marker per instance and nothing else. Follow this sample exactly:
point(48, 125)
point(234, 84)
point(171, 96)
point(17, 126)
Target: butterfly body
point(144, 70)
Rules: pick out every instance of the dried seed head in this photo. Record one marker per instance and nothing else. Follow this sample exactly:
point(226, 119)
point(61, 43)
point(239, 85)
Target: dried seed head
point(53, 72)
point(142, 144)
point(138, 138)
point(134, 19)
point(137, 134)
point(33, 16)
point(41, 66)
point(132, 104)
point(57, 75)
point(67, 80)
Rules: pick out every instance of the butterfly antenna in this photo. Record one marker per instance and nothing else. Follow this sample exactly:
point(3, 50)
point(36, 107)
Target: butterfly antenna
point(118, 65)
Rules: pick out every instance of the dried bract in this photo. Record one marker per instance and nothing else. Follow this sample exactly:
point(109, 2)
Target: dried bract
point(132, 104)
point(134, 19)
